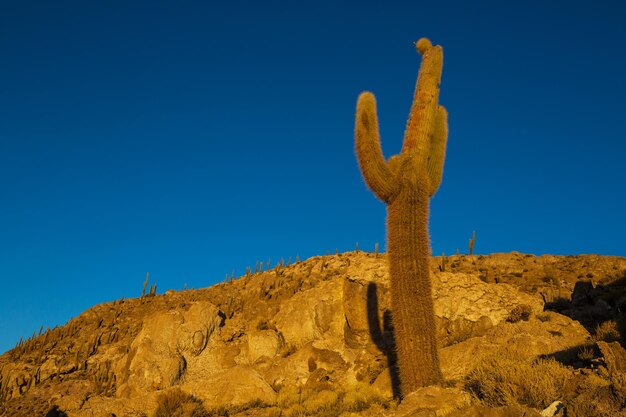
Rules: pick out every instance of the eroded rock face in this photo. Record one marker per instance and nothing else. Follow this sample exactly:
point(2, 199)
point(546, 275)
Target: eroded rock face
point(16, 380)
point(263, 343)
point(556, 334)
point(465, 306)
point(235, 386)
point(314, 315)
point(168, 340)
point(465, 296)
point(362, 310)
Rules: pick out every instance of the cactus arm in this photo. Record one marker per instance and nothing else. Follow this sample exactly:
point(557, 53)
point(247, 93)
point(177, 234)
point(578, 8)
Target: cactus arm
point(437, 152)
point(425, 98)
point(375, 171)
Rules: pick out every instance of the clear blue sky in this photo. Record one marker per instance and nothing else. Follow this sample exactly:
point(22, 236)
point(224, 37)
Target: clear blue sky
point(190, 139)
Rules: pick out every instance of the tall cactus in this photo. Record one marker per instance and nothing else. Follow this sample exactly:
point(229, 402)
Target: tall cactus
point(405, 183)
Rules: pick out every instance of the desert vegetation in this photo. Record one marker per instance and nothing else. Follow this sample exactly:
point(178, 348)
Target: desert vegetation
point(507, 377)
point(176, 403)
point(405, 183)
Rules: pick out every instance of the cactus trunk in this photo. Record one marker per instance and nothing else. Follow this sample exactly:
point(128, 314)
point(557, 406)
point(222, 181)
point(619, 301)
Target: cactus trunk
point(405, 183)
point(411, 298)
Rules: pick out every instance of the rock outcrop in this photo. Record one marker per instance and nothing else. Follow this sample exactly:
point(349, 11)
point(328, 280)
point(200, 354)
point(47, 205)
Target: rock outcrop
point(321, 325)
point(168, 343)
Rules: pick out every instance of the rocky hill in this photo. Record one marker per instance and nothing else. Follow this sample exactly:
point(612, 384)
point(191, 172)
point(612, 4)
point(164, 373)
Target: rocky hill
point(517, 332)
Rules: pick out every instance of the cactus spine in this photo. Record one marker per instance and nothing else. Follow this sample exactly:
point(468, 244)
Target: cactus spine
point(405, 183)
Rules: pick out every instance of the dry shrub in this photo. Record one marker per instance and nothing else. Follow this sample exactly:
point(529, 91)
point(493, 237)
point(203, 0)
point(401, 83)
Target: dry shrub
point(591, 404)
point(176, 403)
point(587, 353)
point(507, 378)
point(599, 397)
point(607, 332)
point(296, 410)
point(618, 387)
point(288, 396)
point(271, 412)
point(373, 410)
point(228, 410)
point(297, 402)
point(361, 397)
point(324, 401)
point(519, 313)
point(321, 403)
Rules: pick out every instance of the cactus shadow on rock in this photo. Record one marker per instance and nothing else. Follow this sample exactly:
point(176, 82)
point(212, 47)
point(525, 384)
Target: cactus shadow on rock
point(384, 337)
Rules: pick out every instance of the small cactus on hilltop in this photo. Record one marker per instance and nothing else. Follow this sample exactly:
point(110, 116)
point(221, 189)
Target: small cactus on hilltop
point(145, 285)
point(471, 243)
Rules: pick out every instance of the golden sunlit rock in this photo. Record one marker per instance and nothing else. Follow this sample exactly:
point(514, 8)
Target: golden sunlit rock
point(423, 45)
point(301, 335)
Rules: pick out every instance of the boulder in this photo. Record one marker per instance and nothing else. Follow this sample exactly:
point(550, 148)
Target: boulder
point(313, 315)
point(232, 387)
point(614, 356)
point(554, 335)
point(583, 293)
point(262, 343)
point(167, 341)
point(465, 296)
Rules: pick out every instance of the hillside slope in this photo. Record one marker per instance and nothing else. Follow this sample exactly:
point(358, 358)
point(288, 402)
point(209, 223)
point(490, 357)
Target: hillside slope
point(316, 338)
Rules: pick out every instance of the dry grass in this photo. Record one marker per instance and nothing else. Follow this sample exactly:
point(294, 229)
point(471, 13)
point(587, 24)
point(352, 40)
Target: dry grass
point(607, 331)
point(586, 353)
point(228, 410)
point(361, 397)
point(176, 403)
point(324, 401)
point(321, 403)
point(618, 386)
point(507, 378)
point(599, 397)
point(297, 410)
point(288, 396)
